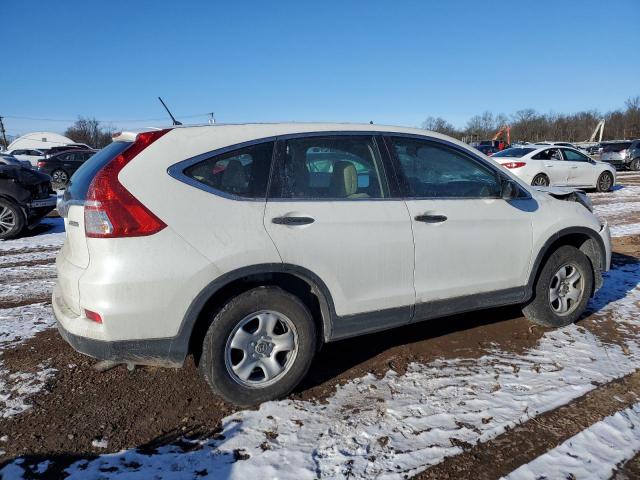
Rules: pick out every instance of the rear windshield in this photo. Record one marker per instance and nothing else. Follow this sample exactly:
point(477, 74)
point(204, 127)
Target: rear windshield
point(80, 181)
point(616, 147)
point(514, 152)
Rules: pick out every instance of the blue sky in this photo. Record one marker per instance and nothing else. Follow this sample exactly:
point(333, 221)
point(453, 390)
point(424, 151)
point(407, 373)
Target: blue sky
point(393, 62)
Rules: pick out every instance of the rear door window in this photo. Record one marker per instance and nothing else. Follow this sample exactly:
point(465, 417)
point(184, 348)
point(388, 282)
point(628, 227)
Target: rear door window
point(242, 173)
point(342, 167)
point(549, 154)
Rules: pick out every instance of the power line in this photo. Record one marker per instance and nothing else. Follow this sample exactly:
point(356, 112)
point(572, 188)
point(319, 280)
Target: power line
point(158, 119)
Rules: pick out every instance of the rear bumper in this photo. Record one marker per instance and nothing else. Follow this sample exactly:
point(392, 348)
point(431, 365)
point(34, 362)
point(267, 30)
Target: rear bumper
point(163, 352)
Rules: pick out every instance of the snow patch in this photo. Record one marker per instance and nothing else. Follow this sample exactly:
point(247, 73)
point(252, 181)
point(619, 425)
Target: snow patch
point(16, 326)
point(625, 230)
point(593, 453)
point(50, 232)
point(401, 424)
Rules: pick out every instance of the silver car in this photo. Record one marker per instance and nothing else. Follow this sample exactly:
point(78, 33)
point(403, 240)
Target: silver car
point(622, 154)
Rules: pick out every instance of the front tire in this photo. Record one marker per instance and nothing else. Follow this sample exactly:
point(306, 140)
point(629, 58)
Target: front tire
point(12, 220)
point(562, 289)
point(605, 182)
point(258, 347)
point(635, 164)
point(540, 180)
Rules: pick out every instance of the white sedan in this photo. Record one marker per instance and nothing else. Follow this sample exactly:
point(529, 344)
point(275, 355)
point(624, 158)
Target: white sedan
point(544, 165)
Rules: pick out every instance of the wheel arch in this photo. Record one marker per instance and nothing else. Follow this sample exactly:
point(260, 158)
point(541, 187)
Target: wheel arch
point(586, 240)
point(294, 279)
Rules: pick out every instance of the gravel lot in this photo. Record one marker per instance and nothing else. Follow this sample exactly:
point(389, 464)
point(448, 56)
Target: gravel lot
point(480, 395)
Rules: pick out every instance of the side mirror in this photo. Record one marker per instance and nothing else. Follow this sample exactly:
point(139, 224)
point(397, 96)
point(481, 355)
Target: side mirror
point(509, 190)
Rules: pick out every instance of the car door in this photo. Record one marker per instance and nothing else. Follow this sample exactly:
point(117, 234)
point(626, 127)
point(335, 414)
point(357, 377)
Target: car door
point(470, 244)
point(554, 166)
point(582, 172)
point(331, 211)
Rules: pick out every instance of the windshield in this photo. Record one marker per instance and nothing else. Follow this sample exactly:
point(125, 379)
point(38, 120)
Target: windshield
point(514, 152)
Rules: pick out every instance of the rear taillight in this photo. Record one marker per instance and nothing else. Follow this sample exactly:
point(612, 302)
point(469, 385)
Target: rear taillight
point(41, 164)
point(111, 211)
point(514, 164)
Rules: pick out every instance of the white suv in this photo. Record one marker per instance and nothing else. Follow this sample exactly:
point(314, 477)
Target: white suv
point(252, 245)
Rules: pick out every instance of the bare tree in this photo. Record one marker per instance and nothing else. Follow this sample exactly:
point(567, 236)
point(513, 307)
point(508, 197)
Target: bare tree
point(440, 125)
point(91, 132)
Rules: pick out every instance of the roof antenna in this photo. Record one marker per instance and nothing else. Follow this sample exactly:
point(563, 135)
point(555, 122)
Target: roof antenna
point(175, 122)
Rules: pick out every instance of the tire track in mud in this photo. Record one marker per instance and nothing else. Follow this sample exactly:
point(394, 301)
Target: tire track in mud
point(498, 457)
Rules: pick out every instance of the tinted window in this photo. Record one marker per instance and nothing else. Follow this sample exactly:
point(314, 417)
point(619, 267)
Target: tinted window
point(549, 154)
point(242, 172)
point(80, 181)
point(337, 167)
point(432, 170)
point(573, 156)
point(514, 152)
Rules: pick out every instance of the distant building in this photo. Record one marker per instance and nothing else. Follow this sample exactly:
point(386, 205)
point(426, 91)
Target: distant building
point(37, 140)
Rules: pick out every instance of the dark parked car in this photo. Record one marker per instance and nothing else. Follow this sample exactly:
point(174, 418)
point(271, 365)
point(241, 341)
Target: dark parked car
point(64, 164)
point(50, 152)
point(25, 197)
point(488, 150)
point(8, 159)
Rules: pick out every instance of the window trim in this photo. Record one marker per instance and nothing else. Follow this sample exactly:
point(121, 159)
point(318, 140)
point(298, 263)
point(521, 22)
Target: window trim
point(389, 160)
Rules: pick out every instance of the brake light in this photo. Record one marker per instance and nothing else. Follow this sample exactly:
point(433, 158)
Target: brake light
point(514, 164)
point(41, 164)
point(111, 211)
point(93, 316)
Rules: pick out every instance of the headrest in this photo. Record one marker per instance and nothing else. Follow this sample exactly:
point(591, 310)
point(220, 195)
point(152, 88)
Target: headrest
point(344, 179)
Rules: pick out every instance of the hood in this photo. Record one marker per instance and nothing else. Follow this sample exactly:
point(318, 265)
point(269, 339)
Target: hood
point(557, 191)
point(568, 194)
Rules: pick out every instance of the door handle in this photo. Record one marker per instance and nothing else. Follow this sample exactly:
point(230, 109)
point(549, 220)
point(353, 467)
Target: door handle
point(548, 164)
point(430, 218)
point(292, 220)
point(575, 166)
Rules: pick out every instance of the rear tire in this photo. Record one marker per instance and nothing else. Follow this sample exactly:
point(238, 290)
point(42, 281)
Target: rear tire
point(562, 289)
point(605, 182)
point(12, 220)
point(540, 180)
point(244, 357)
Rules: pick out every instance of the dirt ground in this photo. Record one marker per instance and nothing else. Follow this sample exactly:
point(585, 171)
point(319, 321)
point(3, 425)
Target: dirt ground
point(149, 407)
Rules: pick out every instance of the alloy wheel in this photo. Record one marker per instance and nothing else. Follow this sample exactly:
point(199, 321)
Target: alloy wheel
point(261, 349)
point(604, 182)
point(7, 219)
point(540, 181)
point(59, 176)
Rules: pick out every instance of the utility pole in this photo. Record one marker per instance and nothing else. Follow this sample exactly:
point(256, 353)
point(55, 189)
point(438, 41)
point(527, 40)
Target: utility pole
point(212, 119)
point(4, 134)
